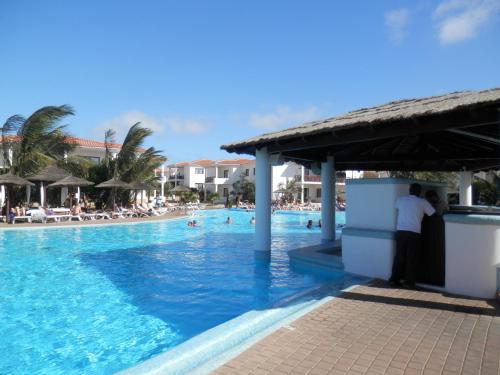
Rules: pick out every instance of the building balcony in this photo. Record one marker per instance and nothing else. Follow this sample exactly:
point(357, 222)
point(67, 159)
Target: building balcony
point(216, 180)
point(176, 177)
point(310, 178)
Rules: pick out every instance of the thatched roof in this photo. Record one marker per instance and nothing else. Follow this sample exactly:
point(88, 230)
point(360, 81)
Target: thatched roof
point(447, 132)
point(180, 189)
point(396, 110)
point(137, 185)
point(114, 183)
point(71, 181)
point(11, 179)
point(50, 173)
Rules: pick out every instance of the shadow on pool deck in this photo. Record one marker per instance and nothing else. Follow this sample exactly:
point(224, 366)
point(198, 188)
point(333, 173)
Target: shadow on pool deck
point(375, 329)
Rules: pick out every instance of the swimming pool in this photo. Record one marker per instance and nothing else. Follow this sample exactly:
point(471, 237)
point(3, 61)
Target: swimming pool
point(103, 298)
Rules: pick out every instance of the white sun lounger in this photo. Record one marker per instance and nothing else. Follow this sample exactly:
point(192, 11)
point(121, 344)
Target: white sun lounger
point(24, 218)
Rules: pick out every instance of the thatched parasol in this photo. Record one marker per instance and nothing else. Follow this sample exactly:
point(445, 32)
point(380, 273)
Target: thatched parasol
point(280, 191)
point(12, 179)
point(114, 183)
point(50, 174)
point(139, 186)
point(71, 181)
point(180, 189)
point(9, 179)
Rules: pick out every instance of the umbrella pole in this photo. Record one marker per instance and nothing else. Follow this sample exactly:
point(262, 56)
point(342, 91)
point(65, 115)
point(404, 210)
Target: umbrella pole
point(7, 212)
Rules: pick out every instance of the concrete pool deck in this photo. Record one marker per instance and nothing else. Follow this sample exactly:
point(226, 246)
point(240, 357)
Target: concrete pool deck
point(375, 329)
point(73, 223)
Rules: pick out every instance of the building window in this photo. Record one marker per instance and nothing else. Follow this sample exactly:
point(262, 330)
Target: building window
point(318, 193)
point(254, 171)
point(198, 171)
point(226, 173)
point(199, 187)
point(247, 172)
point(225, 192)
point(306, 193)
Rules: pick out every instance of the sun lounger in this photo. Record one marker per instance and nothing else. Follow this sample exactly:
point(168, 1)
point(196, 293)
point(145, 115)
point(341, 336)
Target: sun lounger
point(23, 218)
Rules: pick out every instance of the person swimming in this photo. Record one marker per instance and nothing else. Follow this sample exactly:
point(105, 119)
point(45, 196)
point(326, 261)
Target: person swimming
point(252, 220)
point(229, 220)
point(309, 224)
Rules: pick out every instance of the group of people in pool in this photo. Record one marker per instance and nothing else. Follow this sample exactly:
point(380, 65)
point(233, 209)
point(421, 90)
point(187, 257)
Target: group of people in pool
point(310, 224)
point(230, 221)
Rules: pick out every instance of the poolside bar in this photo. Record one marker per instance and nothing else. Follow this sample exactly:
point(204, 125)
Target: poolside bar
point(456, 132)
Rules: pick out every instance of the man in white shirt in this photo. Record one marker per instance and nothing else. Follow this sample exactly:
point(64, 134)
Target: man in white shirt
point(410, 210)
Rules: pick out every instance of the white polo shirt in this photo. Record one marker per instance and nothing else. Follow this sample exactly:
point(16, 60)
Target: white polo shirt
point(411, 210)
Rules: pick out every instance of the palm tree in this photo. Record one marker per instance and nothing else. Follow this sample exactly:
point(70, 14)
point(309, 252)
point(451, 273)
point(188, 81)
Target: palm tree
point(28, 145)
point(132, 163)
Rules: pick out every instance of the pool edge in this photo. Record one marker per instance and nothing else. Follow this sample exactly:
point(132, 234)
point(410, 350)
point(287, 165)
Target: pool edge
point(160, 364)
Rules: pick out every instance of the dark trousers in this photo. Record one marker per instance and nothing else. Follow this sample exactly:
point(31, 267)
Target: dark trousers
point(406, 258)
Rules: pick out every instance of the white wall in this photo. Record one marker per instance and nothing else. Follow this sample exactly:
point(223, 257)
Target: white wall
point(472, 253)
point(368, 256)
point(191, 178)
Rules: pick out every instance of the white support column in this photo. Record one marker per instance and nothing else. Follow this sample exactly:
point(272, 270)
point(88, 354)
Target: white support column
point(465, 193)
point(64, 195)
point(163, 179)
point(77, 195)
point(262, 204)
point(42, 195)
point(328, 200)
point(2, 195)
point(302, 184)
point(28, 195)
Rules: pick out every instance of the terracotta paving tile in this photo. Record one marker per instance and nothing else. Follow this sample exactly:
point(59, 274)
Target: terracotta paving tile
point(374, 329)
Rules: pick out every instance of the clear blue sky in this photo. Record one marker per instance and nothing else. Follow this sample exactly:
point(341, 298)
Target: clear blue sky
point(202, 73)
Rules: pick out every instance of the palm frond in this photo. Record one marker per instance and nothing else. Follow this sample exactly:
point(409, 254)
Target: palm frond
point(9, 129)
point(109, 139)
point(41, 139)
point(131, 145)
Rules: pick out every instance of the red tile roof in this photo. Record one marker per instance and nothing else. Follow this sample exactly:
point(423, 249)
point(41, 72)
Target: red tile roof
point(75, 141)
point(209, 163)
point(81, 142)
point(235, 161)
point(90, 143)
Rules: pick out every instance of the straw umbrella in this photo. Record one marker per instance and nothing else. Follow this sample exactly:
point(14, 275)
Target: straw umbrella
point(180, 189)
point(51, 173)
point(72, 181)
point(9, 179)
point(114, 184)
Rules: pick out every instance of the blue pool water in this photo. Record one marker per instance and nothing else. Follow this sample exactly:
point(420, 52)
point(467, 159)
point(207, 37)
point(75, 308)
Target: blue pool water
point(104, 298)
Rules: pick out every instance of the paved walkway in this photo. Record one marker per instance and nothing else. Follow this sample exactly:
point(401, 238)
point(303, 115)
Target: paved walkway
point(378, 330)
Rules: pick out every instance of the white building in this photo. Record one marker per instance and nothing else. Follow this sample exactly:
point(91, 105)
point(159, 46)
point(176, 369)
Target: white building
point(219, 177)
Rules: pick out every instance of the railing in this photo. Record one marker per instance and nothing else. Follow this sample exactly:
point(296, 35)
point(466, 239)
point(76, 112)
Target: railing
point(312, 178)
point(176, 177)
